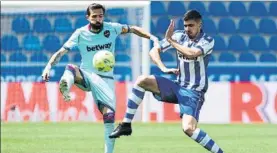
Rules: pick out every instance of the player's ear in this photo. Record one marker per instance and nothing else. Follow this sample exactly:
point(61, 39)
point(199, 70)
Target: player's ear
point(200, 24)
point(87, 17)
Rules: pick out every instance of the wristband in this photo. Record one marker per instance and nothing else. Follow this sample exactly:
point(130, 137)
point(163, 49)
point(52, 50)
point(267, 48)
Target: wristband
point(153, 38)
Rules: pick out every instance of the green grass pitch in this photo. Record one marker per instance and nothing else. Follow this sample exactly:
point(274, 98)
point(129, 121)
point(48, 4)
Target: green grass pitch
point(146, 138)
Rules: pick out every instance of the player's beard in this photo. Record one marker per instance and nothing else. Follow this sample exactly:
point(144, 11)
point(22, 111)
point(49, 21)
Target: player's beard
point(190, 35)
point(97, 26)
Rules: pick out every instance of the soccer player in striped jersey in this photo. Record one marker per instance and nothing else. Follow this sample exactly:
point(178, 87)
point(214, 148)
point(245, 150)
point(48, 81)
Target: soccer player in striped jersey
point(97, 35)
point(193, 48)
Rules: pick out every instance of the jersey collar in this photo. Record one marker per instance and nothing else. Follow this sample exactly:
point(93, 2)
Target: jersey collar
point(199, 36)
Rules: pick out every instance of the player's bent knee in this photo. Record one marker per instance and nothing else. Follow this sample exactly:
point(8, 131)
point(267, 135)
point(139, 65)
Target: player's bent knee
point(109, 117)
point(71, 67)
point(141, 80)
point(189, 129)
point(145, 81)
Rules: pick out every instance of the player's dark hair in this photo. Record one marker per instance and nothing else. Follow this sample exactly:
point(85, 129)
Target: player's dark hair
point(94, 6)
point(192, 15)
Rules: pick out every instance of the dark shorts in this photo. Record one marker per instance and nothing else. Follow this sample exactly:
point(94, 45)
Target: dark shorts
point(190, 101)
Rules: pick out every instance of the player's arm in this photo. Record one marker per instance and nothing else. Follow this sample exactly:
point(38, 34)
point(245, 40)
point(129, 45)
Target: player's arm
point(53, 61)
point(188, 52)
point(71, 42)
point(156, 58)
point(139, 32)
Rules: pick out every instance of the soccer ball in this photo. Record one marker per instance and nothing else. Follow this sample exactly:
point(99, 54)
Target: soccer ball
point(103, 61)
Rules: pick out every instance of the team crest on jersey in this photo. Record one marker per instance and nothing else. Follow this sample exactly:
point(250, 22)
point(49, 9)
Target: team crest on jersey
point(107, 33)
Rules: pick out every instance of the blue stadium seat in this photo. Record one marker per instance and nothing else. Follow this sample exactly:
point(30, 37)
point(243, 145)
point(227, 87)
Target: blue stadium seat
point(21, 25)
point(162, 24)
point(42, 25)
point(167, 57)
point(9, 43)
point(217, 9)
point(273, 9)
point(3, 58)
point(66, 37)
point(247, 26)
point(273, 43)
point(199, 6)
point(247, 57)
point(51, 43)
point(39, 57)
point(257, 9)
point(209, 26)
point(153, 27)
point(268, 57)
point(176, 8)
point(124, 72)
point(120, 46)
point(80, 22)
point(122, 58)
point(64, 59)
point(267, 26)
point(18, 57)
point(237, 43)
point(226, 26)
point(237, 9)
point(180, 24)
point(115, 11)
point(220, 44)
point(123, 20)
point(212, 58)
point(77, 58)
point(226, 57)
point(257, 43)
point(157, 8)
point(31, 43)
point(62, 24)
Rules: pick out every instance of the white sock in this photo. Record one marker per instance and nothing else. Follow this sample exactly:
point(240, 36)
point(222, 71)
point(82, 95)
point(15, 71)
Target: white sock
point(68, 76)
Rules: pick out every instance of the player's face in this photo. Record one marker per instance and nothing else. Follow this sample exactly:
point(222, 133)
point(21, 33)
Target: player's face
point(96, 18)
point(192, 28)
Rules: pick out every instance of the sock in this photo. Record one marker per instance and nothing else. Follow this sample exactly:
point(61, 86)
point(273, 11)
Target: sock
point(135, 98)
point(109, 127)
point(204, 140)
point(69, 75)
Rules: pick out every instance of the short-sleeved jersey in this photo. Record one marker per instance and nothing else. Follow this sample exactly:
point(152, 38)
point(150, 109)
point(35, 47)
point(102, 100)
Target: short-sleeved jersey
point(193, 71)
point(90, 43)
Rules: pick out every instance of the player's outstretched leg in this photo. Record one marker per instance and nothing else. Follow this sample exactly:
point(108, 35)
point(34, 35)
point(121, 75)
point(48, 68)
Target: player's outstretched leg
point(134, 100)
point(190, 128)
point(108, 117)
point(67, 80)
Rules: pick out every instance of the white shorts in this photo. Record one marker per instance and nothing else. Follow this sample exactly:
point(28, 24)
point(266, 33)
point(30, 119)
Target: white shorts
point(101, 87)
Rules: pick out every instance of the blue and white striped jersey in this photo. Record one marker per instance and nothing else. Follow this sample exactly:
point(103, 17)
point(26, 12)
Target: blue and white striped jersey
point(193, 71)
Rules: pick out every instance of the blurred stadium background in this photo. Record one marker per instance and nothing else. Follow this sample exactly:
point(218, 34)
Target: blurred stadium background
point(242, 75)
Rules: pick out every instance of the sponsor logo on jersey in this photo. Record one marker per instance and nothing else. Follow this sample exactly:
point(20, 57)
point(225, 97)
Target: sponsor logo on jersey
point(99, 47)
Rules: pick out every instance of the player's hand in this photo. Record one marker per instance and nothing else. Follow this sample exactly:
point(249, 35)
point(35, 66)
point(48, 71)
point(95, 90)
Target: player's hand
point(171, 71)
point(170, 29)
point(45, 74)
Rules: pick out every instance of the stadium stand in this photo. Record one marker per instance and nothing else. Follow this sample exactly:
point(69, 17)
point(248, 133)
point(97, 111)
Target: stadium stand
point(243, 32)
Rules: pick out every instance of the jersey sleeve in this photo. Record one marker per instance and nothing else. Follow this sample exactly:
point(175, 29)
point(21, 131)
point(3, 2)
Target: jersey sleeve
point(120, 28)
point(72, 41)
point(165, 45)
point(206, 45)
